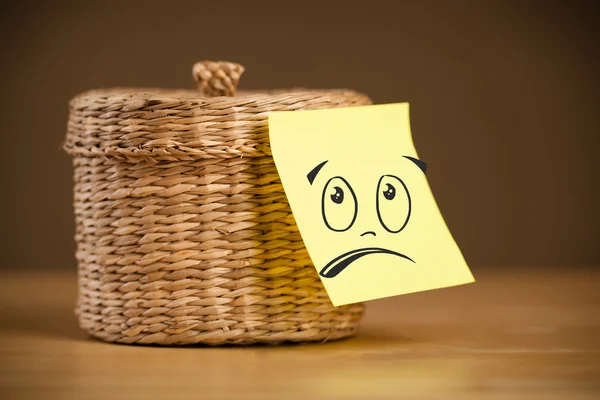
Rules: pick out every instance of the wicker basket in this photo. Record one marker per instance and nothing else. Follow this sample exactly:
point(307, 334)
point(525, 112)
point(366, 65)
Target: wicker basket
point(184, 233)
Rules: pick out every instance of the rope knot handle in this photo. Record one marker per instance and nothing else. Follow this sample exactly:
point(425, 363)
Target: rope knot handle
point(217, 78)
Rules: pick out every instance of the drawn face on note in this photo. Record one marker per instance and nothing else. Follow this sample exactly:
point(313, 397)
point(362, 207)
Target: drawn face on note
point(339, 209)
point(361, 199)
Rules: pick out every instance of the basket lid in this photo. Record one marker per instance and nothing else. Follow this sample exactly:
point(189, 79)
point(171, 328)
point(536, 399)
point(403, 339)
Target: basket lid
point(214, 121)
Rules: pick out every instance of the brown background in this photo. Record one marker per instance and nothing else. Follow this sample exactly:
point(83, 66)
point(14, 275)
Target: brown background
point(504, 102)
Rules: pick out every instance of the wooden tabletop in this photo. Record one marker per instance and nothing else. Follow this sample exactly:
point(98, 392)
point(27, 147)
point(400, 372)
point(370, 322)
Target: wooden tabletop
point(517, 333)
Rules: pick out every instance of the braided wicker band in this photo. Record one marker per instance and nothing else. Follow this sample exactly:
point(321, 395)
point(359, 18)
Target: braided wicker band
point(184, 233)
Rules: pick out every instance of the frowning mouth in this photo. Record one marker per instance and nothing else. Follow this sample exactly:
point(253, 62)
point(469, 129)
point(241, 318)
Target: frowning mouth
point(338, 264)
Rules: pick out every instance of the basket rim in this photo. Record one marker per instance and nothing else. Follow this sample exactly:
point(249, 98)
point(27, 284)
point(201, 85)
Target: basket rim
point(137, 124)
point(157, 95)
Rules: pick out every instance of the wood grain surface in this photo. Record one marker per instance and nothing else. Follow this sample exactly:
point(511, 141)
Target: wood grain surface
point(517, 333)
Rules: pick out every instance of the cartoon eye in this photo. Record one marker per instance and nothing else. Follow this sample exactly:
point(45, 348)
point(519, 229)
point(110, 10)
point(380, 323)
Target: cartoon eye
point(393, 203)
point(338, 204)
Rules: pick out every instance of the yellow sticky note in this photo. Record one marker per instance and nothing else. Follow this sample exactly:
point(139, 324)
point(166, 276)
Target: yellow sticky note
point(360, 197)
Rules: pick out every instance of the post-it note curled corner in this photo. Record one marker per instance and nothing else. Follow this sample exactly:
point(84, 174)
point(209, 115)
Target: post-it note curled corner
point(360, 197)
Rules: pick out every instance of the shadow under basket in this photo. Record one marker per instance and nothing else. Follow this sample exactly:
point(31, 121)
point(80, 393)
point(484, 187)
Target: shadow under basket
point(184, 233)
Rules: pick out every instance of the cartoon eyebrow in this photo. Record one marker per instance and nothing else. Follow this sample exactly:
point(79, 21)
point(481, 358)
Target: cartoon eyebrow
point(421, 164)
point(313, 174)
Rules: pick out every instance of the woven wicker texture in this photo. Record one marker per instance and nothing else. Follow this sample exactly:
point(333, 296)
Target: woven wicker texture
point(184, 233)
